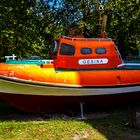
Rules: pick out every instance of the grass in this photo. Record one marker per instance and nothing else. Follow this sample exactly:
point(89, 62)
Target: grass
point(15, 125)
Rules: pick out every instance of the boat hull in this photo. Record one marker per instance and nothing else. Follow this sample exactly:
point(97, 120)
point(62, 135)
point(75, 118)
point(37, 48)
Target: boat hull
point(44, 104)
point(35, 97)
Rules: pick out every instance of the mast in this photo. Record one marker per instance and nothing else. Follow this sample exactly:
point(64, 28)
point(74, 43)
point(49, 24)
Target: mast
point(102, 21)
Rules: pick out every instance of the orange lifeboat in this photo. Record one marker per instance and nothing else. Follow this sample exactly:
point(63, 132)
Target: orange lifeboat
point(81, 70)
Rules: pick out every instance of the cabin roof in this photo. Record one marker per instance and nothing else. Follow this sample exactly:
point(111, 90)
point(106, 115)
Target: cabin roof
point(87, 42)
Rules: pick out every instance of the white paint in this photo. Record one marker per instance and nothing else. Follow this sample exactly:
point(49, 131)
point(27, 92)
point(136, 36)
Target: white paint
point(10, 57)
point(93, 61)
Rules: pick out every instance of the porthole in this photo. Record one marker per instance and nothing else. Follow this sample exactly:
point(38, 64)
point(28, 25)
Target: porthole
point(86, 50)
point(100, 50)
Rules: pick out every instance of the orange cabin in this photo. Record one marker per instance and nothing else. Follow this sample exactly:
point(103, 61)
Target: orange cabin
point(84, 53)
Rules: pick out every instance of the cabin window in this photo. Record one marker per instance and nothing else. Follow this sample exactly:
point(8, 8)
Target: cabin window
point(67, 49)
point(100, 50)
point(54, 48)
point(86, 50)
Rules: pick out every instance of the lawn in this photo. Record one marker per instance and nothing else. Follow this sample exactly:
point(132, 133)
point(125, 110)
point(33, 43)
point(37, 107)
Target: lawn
point(109, 125)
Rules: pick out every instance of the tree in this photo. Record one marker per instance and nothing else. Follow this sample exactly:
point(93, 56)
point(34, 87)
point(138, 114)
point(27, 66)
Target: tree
point(28, 26)
point(19, 28)
point(123, 24)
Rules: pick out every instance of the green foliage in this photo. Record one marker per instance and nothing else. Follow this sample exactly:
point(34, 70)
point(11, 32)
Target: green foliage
point(124, 27)
point(18, 31)
point(28, 26)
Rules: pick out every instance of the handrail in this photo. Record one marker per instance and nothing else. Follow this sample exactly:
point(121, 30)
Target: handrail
point(10, 57)
point(71, 38)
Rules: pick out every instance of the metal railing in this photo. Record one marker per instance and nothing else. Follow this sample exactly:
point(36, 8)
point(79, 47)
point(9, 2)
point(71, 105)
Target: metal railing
point(73, 38)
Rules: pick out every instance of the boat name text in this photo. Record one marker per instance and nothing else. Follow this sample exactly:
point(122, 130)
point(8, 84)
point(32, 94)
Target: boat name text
point(93, 61)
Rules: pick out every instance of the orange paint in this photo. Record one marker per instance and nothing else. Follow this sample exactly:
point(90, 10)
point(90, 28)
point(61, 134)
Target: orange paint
point(73, 61)
point(83, 78)
point(89, 62)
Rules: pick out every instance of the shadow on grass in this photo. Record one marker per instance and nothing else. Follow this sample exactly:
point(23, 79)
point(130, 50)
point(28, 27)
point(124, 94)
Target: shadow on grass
point(9, 113)
point(110, 122)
